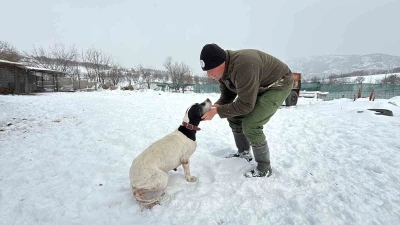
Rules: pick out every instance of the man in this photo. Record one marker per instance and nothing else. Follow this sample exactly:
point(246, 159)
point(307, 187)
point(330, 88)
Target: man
point(253, 85)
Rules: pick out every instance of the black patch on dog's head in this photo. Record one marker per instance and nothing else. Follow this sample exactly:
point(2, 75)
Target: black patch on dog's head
point(196, 111)
point(193, 116)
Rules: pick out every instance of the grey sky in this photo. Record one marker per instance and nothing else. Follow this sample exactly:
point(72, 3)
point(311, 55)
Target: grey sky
point(146, 32)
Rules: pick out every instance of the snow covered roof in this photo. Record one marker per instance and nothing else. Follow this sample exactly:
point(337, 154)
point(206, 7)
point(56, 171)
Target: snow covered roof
point(22, 66)
point(43, 70)
point(5, 62)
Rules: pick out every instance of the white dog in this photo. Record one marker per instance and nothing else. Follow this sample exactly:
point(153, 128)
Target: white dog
point(149, 171)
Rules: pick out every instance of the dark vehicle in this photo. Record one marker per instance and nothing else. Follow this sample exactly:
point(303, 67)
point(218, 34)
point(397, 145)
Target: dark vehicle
point(294, 94)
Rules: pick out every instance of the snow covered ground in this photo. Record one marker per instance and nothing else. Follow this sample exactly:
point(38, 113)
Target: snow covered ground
point(65, 158)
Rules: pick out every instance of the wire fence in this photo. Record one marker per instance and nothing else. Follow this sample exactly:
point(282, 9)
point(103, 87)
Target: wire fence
point(382, 91)
point(335, 91)
point(206, 88)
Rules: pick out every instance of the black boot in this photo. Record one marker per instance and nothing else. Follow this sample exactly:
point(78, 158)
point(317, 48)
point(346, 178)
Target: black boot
point(261, 155)
point(243, 147)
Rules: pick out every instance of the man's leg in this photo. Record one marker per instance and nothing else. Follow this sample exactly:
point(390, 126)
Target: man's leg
point(266, 106)
point(241, 141)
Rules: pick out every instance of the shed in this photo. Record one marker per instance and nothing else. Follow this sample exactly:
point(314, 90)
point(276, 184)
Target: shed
point(46, 79)
point(13, 77)
point(17, 78)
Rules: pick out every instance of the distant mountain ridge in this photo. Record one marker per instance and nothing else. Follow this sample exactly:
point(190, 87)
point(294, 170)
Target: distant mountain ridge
point(324, 65)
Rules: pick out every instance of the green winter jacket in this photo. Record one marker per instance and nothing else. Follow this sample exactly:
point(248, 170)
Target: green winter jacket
point(248, 73)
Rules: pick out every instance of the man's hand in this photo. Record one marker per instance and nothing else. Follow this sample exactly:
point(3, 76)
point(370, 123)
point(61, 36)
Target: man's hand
point(210, 114)
point(215, 105)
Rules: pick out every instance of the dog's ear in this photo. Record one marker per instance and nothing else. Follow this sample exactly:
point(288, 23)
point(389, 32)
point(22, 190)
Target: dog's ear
point(194, 113)
point(186, 117)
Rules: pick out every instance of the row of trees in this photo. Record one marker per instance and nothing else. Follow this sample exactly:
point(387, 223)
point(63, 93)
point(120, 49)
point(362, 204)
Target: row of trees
point(340, 79)
point(336, 79)
point(96, 65)
point(9, 52)
point(391, 79)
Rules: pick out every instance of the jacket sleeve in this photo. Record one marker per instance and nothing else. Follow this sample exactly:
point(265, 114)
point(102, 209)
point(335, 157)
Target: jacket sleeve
point(227, 96)
point(247, 83)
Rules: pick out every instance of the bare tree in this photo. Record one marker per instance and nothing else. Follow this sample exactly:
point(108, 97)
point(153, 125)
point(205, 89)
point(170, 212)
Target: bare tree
point(391, 79)
point(58, 57)
point(338, 80)
point(9, 52)
point(40, 57)
point(206, 80)
point(139, 70)
point(168, 67)
point(396, 70)
point(359, 80)
point(147, 76)
point(132, 75)
point(331, 79)
point(343, 80)
point(85, 57)
point(64, 58)
point(160, 76)
point(185, 75)
point(315, 79)
point(76, 74)
point(179, 73)
point(97, 63)
point(323, 79)
point(196, 79)
point(167, 76)
point(189, 78)
point(115, 74)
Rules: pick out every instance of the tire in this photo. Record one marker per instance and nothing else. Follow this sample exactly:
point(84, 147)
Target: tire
point(292, 98)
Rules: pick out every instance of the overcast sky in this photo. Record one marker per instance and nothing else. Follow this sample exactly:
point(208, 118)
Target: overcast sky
point(146, 32)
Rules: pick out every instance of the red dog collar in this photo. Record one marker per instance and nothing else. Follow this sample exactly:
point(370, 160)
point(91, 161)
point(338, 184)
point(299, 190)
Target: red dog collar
point(190, 126)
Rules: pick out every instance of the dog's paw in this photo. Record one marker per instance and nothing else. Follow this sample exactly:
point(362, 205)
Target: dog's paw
point(191, 179)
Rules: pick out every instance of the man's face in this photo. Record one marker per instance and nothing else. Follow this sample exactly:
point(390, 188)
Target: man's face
point(215, 73)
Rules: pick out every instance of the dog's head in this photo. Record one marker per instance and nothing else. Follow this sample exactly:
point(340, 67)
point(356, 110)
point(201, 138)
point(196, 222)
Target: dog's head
point(196, 111)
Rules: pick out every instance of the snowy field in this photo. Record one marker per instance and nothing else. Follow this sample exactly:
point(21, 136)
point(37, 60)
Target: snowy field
point(65, 159)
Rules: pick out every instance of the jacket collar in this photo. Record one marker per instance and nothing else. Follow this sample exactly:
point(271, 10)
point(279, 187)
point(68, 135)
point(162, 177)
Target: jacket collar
point(227, 61)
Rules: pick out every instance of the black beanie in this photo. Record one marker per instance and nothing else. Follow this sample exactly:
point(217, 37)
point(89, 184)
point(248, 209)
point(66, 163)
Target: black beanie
point(211, 56)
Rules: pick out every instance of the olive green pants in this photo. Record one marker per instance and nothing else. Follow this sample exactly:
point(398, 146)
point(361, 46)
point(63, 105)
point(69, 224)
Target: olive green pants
point(266, 106)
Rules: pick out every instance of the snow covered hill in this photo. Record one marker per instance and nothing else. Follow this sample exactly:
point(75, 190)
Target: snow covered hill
point(337, 64)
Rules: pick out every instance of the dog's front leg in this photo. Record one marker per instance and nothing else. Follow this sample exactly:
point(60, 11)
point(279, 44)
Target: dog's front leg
point(185, 165)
